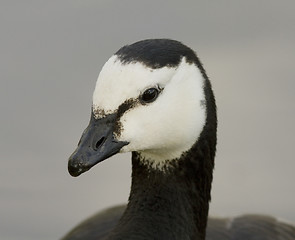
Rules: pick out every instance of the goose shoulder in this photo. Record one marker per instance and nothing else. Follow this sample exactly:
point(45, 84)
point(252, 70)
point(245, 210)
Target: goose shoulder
point(244, 227)
point(249, 227)
point(97, 226)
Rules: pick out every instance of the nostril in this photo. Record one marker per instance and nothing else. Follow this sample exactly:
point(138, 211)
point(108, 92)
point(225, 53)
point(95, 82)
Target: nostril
point(99, 143)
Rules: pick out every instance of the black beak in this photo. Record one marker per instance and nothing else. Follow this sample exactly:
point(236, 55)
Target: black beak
point(96, 144)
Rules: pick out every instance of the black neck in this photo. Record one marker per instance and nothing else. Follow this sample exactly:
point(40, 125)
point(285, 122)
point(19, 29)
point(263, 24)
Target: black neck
point(170, 205)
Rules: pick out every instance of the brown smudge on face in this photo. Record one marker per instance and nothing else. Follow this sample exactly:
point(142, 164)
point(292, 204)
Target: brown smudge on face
point(127, 105)
point(99, 113)
point(124, 107)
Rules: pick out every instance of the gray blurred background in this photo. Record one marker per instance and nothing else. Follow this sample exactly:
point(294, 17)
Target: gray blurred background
point(50, 55)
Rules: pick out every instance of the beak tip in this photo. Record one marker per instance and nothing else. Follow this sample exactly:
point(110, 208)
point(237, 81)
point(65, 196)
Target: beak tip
point(76, 168)
point(74, 171)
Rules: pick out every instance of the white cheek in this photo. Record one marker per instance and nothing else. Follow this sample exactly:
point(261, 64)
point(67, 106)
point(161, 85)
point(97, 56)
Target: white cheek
point(166, 128)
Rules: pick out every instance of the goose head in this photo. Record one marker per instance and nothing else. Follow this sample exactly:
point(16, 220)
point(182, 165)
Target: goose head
point(151, 97)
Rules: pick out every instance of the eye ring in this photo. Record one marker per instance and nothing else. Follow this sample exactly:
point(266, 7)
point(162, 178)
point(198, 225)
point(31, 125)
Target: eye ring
point(149, 95)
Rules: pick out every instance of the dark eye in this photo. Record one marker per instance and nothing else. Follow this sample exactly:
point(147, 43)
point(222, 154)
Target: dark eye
point(149, 95)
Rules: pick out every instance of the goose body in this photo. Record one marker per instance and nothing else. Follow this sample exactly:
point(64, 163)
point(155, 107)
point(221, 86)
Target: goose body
point(154, 99)
point(246, 227)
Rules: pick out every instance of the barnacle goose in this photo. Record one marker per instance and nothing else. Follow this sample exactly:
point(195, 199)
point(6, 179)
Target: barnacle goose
point(154, 99)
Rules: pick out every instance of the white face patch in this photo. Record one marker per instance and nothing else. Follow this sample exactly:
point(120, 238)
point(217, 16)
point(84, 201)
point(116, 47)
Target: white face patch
point(119, 82)
point(161, 130)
